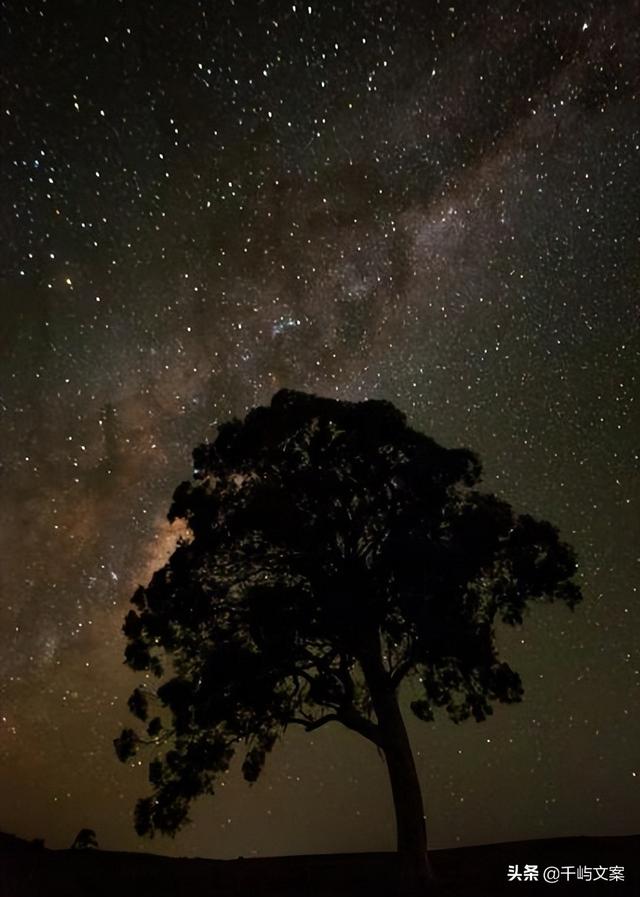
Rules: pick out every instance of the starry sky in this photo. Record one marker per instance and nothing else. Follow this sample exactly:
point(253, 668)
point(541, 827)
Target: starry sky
point(434, 203)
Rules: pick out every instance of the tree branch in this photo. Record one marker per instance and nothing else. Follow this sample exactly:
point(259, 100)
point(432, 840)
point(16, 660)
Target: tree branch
point(350, 718)
point(321, 662)
point(307, 678)
point(163, 737)
point(401, 671)
point(345, 678)
point(310, 725)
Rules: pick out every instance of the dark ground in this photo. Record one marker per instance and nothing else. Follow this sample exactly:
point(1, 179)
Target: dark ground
point(32, 871)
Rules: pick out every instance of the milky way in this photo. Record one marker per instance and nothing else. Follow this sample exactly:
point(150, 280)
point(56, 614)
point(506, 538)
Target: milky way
point(431, 203)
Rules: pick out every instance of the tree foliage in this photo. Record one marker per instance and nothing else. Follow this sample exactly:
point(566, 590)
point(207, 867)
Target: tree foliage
point(84, 840)
point(314, 525)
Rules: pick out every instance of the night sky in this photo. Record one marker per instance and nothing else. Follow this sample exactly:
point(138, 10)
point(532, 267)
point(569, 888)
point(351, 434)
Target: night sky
point(202, 202)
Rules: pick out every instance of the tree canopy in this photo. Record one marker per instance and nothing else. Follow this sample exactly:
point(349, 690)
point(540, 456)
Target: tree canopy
point(332, 551)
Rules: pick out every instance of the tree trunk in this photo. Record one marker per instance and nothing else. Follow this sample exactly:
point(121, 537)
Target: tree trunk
point(405, 786)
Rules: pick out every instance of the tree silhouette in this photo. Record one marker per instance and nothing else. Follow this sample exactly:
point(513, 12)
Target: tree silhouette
point(332, 552)
point(85, 839)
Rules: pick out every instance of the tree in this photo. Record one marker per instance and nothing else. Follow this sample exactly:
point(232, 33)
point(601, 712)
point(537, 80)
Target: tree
point(332, 552)
point(85, 839)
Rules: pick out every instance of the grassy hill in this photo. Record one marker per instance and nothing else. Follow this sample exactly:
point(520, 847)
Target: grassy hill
point(31, 870)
